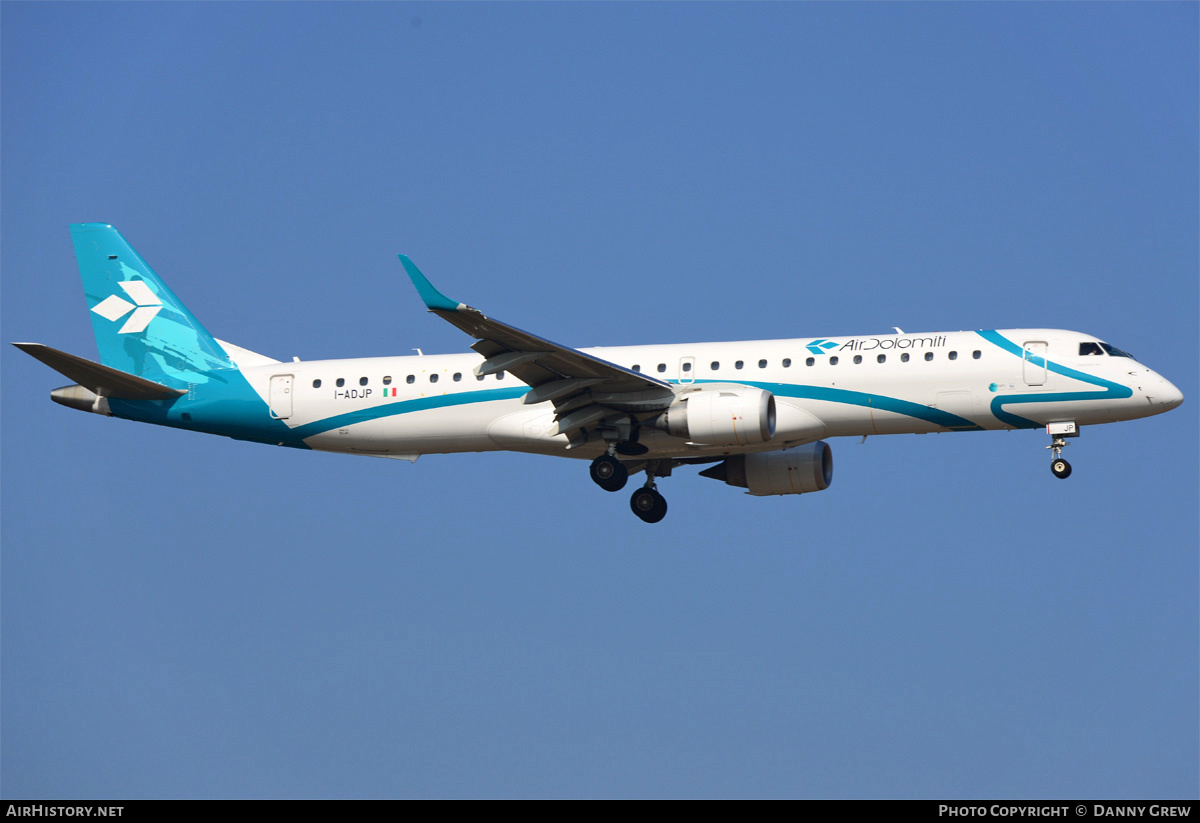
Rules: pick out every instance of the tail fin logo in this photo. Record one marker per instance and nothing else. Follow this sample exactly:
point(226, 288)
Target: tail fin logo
point(145, 306)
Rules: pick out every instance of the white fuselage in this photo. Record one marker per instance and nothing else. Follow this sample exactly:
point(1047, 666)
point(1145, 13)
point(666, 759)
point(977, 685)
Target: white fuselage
point(868, 385)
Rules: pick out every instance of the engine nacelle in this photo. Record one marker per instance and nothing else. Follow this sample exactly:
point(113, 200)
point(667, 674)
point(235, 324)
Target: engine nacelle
point(800, 469)
point(722, 416)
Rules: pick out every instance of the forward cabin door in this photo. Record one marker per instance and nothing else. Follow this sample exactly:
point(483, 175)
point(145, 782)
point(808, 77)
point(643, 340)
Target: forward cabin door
point(281, 396)
point(1035, 362)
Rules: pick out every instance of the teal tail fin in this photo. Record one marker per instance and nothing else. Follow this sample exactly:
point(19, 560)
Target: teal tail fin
point(141, 327)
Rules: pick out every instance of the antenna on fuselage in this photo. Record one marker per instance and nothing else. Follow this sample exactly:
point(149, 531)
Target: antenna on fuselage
point(898, 330)
point(418, 351)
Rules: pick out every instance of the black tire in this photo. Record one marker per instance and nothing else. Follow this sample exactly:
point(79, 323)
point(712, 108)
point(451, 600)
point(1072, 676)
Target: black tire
point(1061, 468)
point(648, 504)
point(609, 473)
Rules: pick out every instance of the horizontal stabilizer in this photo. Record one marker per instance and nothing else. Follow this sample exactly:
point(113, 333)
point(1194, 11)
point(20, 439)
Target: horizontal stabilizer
point(102, 380)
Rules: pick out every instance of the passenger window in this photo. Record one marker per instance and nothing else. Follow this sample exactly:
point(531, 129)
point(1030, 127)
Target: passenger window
point(687, 367)
point(635, 367)
point(499, 375)
point(857, 359)
point(457, 376)
point(316, 384)
point(975, 354)
point(833, 361)
point(881, 358)
point(341, 382)
point(662, 367)
point(738, 364)
point(480, 376)
point(810, 361)
point(762, 364)
point(787, 362)
point(362, 381)
point(433, 378)
point(928, 355)
point(410, 379)
point(953, 355)
point(904, 357)
point(387, 380)
point(716, 364)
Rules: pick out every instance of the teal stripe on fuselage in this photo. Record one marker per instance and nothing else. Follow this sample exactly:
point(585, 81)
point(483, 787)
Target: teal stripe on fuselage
point(1111, 391)
point(228, 405)
point(938, 417)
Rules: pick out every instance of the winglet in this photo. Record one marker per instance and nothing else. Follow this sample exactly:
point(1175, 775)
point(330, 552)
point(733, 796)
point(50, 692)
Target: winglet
point(434, 299)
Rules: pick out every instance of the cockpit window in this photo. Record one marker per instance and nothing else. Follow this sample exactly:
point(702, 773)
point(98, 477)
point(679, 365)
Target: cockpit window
point(1090, 348)
point(1115, 352)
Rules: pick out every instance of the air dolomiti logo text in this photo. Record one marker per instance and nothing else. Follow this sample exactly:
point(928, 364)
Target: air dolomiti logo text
point(823, 346)
point(145, 306)
point(869, 343)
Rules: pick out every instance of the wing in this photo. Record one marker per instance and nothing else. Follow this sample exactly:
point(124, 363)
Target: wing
point(584, 389)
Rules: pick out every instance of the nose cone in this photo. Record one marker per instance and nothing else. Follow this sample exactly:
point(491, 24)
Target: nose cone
point(1171, 396)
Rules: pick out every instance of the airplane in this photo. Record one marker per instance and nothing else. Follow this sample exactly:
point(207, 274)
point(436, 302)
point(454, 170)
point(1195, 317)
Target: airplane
point(756, 412)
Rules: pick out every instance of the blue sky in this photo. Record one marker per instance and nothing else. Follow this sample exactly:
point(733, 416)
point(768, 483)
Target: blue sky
point(187, 616)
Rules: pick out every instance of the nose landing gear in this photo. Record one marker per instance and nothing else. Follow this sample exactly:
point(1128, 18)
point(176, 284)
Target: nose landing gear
point(1058, 433)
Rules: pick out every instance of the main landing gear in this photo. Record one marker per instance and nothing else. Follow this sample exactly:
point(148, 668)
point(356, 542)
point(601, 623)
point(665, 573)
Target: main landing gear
point(611, 474)
point(608, 472)
point(1058, 433)
point(648, 504)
